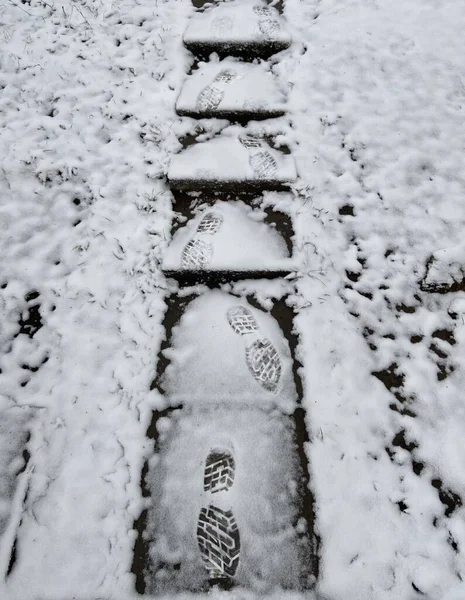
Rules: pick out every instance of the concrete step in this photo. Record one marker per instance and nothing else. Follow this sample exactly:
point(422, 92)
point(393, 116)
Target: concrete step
point(231, 90)
point(248, 28)
point(225, 351)
point(244, 532)
point(226, 241)
point(231, 163)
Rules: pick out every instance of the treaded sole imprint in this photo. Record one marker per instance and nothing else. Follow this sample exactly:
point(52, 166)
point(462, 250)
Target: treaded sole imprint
point(241, 320)
point(264, 364)
point(219, 541)
point(196, 254)
point(212, 95)
point(261, 356)
point(219, 471)
point(210, 223)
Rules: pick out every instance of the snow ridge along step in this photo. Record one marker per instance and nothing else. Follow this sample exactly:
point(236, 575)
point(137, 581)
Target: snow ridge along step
point(232, 163)
point(239, 28)
point(231, 90)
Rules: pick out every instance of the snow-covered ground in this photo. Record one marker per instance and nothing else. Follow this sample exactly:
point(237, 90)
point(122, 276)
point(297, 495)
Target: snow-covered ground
point(376, 96)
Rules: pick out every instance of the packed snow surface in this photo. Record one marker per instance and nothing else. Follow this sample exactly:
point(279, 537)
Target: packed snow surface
point(262, 497)
point(208, 358)
point(243, 241)
point(232, 158)
point(230, 86)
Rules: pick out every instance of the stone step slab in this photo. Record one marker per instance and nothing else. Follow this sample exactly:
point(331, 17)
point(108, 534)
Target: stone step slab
point(224, 351)
point(259, 505)
point(227, 239)
point(231, 163)
point(232, 90)
point(239, 28)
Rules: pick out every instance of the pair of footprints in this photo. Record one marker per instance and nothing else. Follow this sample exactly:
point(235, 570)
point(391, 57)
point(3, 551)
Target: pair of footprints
point(217, 531)
point(267, 24)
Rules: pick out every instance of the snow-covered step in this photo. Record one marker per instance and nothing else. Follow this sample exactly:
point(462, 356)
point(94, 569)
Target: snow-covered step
point(226, 241)
point(231, 163)
point(224, 503)
point(241, 27)
point(233, 90)
point(223, 351)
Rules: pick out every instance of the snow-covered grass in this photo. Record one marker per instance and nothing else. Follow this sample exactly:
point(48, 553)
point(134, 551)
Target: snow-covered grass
point(87, 122)
point(87, 114)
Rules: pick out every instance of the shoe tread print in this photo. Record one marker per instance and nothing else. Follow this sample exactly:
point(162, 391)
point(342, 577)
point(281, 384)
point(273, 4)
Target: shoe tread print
point(262, 11)
point(242, 320)
point(219, 541)
point(262, 162)
point(210, 98)
point(210, 223)
point(196, 254)
point(263, 165)
point(261, 356)
point(219, 471)
point(269, 27)
point(249, 141)
point(264, 364)
point(212, 95)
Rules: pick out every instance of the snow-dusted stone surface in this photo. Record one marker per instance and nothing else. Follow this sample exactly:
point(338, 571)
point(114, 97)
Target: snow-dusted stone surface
point(240, 242)
point(445, 270)
point(247, 27)
point(230, 89)
point(208, 357)
point(262, 499)
point(232, 163)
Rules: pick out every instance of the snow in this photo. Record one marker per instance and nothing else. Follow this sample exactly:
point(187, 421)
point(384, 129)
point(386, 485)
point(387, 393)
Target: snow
point(237, 23)
point(88, 129)
point(225, 159)
point(251, 89)
point(208, 356)
point(243, 242)
point(261, 497)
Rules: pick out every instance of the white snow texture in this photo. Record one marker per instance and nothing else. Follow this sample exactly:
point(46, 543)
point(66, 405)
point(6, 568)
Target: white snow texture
point(375, 112)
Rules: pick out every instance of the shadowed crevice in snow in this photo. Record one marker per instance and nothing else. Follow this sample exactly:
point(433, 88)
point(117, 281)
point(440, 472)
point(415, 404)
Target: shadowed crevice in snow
point(140, 555)
point(216, 278)
point(247, 50)
point(284, 316)
point(240, 116)
point(15, 546)
point(175, 307)
point(217, 185)
point(141, 546)
point(31, 322)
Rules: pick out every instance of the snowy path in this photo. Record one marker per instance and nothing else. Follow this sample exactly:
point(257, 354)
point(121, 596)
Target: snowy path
point(374, 122)
point(229, 368)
